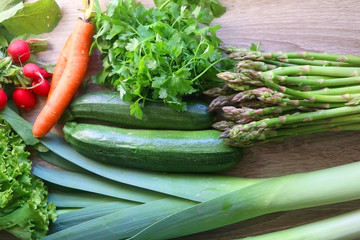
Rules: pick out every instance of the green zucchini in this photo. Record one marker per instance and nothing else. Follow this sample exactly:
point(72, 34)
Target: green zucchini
point(107, 106)
point(165, 150)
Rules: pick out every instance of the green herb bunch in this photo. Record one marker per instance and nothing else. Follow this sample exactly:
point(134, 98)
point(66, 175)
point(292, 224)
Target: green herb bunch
point(159, 54)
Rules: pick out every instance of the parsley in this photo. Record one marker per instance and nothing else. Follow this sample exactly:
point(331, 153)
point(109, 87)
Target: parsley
point(159, 54)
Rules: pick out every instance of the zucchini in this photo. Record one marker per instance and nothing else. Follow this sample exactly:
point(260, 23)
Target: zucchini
point(107, 106)
point(165, 150)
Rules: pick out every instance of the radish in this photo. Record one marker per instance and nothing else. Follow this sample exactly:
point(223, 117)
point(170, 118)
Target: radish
point(44, 73)
point(3, 99)
point(19, 51)
point(23, 98)
point(31, 70)
point(40, 87)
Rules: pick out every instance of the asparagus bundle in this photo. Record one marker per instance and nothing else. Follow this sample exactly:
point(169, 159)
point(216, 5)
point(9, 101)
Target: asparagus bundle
point(274, 96)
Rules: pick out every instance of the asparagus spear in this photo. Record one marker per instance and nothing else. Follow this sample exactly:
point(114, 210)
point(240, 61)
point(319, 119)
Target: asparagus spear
point(267, 79)
point(300, 61)
point(257, 65)
point(320, 81)
point(283, 56)
point(347, 119)
point(248, 134)
point(281, 137)
point(236, 113)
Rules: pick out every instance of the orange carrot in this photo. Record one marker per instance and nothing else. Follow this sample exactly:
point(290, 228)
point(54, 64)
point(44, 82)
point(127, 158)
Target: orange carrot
point(60, 66)
point(70, 80)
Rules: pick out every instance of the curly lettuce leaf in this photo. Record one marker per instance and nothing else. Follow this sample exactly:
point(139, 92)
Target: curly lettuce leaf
point(24, 208)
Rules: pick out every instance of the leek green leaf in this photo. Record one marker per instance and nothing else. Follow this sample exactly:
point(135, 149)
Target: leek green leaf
point(290, 192)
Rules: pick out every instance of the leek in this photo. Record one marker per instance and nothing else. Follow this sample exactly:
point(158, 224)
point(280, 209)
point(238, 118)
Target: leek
point(78, 199)
point(95, 184)
point(75, 217)
point(345, 227)
point(58, 161)
point(65, 210)
point(123, 223)
point(295, 191)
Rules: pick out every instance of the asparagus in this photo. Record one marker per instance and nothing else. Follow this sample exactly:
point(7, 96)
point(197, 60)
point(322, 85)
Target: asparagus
point(326, 128)
point(269, 64)
point(352, 118)
point(283, 56)
point(248, 134)
point(277, 63)
point(320, 81)
point(300, 61)
point(295, 94)
point(256, 65)
point(317, 70)
point(238, 78)
point(220, 101)
point(223, 125)
point(336, 91)
point(217, 91)
point(245, 115)
point(236, 113)
point(267, 80)
point(306, 88)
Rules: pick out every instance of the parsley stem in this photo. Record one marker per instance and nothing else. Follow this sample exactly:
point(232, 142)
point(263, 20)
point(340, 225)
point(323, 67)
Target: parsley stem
point(196, 52)
point(210, 66)
point(164, 4)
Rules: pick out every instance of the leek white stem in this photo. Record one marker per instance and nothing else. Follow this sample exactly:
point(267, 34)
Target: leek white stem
point(344, 227)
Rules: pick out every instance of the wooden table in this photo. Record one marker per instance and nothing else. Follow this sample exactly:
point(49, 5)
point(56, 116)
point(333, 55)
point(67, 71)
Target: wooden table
point(285, 25)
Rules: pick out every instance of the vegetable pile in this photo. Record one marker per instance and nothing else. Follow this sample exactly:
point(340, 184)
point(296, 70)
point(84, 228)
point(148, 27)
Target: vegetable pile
point(139, 204)
point(274, 96)
point(129, 162)
point(162, 54)
point(18, 24)
point(24, 210)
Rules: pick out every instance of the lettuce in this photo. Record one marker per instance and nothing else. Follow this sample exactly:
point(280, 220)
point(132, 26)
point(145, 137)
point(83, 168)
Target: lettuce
point(24, 208)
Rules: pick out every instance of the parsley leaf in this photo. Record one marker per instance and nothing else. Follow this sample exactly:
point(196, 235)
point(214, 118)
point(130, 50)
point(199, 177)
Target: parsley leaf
point(160, 54)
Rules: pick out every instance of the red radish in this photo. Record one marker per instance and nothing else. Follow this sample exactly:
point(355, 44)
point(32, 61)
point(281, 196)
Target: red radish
point(44, 73)
point(31, 70)
point(3, 99)
point(23, 98)
point(19, 50)
point(40, 87)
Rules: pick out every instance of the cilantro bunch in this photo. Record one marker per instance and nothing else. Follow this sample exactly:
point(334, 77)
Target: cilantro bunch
point(24, 210)
point(159, 54)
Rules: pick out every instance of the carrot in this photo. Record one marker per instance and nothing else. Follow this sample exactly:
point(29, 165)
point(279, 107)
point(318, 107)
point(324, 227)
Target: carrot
point(70, 80)
point(60, 66)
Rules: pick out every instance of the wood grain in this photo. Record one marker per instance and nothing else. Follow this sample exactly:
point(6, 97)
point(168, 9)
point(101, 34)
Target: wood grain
point(285, 25)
